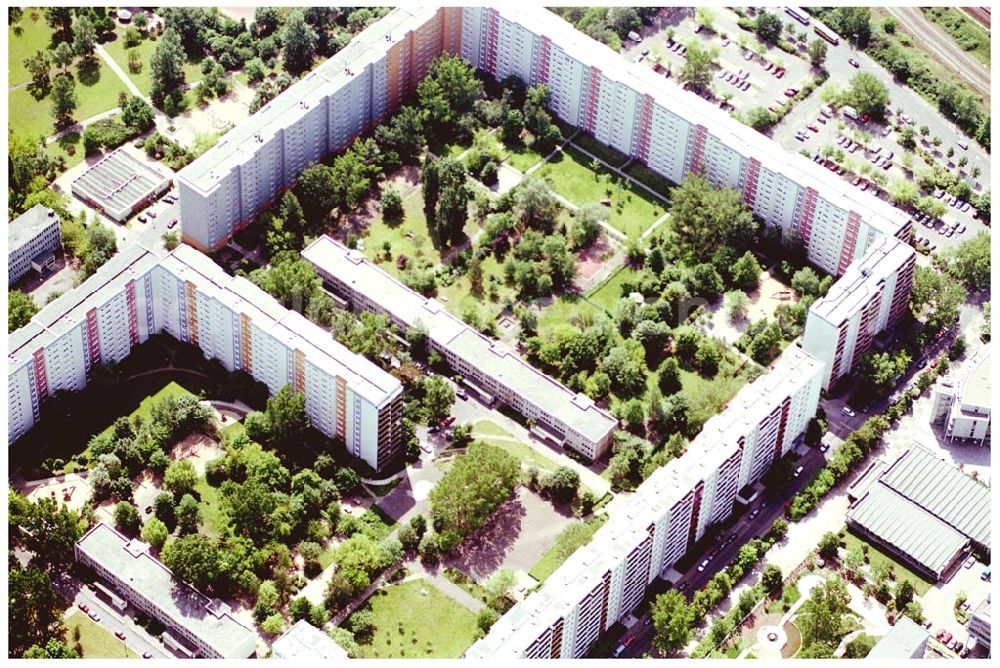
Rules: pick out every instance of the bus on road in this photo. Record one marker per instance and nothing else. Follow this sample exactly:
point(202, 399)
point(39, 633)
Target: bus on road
point(798, 14)
point(826, 33)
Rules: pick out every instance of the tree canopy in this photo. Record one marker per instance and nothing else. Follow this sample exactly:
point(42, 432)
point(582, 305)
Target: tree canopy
point(705, 219)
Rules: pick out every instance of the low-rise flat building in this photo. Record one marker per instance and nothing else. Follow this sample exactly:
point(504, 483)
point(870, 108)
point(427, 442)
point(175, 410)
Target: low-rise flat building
point(195, 624)
point(869, 298)
point(961, 402)
point(980, 622)
point(603, 582)
point(138, 293)
point(562, 416)
point(32, 240)
point(306, 642)
point(905, 640)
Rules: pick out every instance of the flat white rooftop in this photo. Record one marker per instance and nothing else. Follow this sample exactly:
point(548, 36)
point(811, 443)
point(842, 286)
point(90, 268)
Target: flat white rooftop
point(131, 563)
point(493, 358)
point(861, 280)
point(29, 225)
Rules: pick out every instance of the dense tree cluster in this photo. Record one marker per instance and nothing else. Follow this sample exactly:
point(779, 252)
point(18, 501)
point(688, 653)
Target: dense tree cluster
point(475, 485)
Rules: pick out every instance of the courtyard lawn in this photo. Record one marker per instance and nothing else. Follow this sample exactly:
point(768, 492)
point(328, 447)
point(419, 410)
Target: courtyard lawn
point(568, 309)
point(552, 559)
point(459, 298)
point(69, 147)
point(484, 429)
point(97, 89)
point(410, 237)
point(213, 519)
point(569, 173)
point(521, 156)
point(144, 78)
point(96, 642)
point(35, 36)
point(416, 620)
point(234, 430)
point(607, 294)
point(878, 556)
point(172, 389)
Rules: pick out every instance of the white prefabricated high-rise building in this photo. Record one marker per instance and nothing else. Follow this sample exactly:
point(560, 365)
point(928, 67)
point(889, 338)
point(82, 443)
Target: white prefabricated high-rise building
point(604, 581)
point(184, 294)
point(253, 163)
point(868, 299)
point(622, 104)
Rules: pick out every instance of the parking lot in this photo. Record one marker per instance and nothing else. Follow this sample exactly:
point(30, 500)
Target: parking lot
point(939, 601)
point(755, 84)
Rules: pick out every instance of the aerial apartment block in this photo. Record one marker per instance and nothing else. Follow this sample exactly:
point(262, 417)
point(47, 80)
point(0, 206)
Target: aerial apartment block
point(139, 293)
point(962, 401)
point(622, 104)
point(604, 581)
point(492, 369)
point(869, 298)
point(253, 163)
point(196, 626)
point(644, 115)
point(32, 239)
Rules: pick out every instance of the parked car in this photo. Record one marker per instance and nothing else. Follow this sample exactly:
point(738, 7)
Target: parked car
point(790, 92)
point(448, 421)
point(83, 606)
point(962, 145)
point(120, 635)
point(813, 128)
point(147, 655)
point(846, 410)
point(462, 394)
point(703, 565)
point(93, 615)
point(748, 55)
point(172, 224)
point(755, 513)
point(886, 131)
point(151, 213)
point(799, 470)
point(986, 575)
point(618, 651)
point(779, 73)
point(856, 181)
point(745, 86)
point(853, 62)
point(142, 218)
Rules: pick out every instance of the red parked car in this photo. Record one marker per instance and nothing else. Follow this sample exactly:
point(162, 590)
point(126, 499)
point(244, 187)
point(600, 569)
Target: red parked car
point(779, 73)
point(447, 421)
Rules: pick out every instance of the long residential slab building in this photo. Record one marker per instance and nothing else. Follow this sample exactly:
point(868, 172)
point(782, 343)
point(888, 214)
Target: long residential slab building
point(196, 626)
point(625, 105)
point(604, 581)
point(183, 293)
point(567, 418)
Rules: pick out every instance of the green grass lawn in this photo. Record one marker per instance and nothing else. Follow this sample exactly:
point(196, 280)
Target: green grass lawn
point(569, 173)
point(571, 309)
point(234, 430)
point(96, 642)
point(553, 559)
point(213, 519)
point(409, 237)
point(69, 147)
point(411, 625)
point(458, 296)
point(878, 556)
point(650, 179)
point(482, 430)
point(521, 156)
point(607, 294)
point(172, 389)
point(97, 89)
point(144, 78)
point(35, 36)
point(708, 396)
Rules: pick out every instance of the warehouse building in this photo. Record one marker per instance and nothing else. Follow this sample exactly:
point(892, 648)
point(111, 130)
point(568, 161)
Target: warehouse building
point(603, 582)
point(183, 293)
point(120, 186)
point(980, 623)
point(868, 299)
point(922, 509)
point(196, 626)
point(32, 241)
point(495, 372)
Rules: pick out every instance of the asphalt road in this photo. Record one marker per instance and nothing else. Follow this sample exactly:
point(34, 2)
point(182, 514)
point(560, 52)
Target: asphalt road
point(744, 530)
point(944, 47)
point(136, 637)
